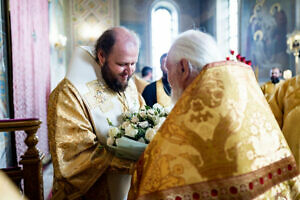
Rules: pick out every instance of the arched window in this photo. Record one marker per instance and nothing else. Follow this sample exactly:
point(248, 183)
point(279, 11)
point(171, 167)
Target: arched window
point(233, 25)
point(164, 28)
point(227, 24)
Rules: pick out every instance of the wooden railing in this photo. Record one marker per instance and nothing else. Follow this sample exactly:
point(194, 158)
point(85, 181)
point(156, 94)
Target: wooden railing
point(31, 169)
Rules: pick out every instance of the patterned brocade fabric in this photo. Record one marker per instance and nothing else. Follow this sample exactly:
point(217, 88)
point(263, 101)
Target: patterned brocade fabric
point(285, 105)
point(80, 162)
point(76, 166)
point(221, 141)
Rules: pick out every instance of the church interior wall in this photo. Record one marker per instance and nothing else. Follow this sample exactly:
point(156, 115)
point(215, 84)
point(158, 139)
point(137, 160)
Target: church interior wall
point(264, 27)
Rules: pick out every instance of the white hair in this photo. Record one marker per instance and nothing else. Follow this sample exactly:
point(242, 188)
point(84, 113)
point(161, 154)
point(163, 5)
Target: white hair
point(197, 47)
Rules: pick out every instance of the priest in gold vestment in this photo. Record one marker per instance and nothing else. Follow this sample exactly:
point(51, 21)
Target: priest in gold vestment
point(285, 104)
point(269, 87)
point(97, 87)
point(221, 140)
point(159, 91)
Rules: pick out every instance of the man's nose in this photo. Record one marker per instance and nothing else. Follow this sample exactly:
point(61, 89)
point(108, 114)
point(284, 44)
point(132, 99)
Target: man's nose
point(130, 68)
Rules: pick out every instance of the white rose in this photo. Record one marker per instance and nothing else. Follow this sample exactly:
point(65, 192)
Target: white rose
point(125, 124)
point(110, 141)
point(157, 106)
point(144, 124)
point(163, 111)
point(150, 112)
point(143, 113)
point(126, 114)
point(134, 119)
point(160, 108)
point(150, 133)
point(113, 131)
point(130, 131)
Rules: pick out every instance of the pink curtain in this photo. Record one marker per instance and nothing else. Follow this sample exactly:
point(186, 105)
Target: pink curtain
point(31, 65)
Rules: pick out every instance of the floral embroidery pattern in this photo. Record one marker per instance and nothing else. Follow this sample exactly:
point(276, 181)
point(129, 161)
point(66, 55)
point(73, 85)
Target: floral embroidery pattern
point(163, 174)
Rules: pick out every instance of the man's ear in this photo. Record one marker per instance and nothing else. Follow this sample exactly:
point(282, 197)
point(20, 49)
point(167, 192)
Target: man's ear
point(185, 70)
point(101, 57)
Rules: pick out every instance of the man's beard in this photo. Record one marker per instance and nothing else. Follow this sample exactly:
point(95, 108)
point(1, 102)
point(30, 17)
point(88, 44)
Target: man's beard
point(274, 79)
point(112, 80)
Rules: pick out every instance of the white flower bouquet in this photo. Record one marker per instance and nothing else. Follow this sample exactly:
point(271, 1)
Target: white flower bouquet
point(137, 129)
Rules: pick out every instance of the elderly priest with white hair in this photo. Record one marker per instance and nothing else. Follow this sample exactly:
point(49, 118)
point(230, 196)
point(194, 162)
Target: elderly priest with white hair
point(221, 140)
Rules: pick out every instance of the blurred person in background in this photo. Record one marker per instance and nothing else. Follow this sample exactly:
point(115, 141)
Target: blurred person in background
point(269, 87)
point(159, 91)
